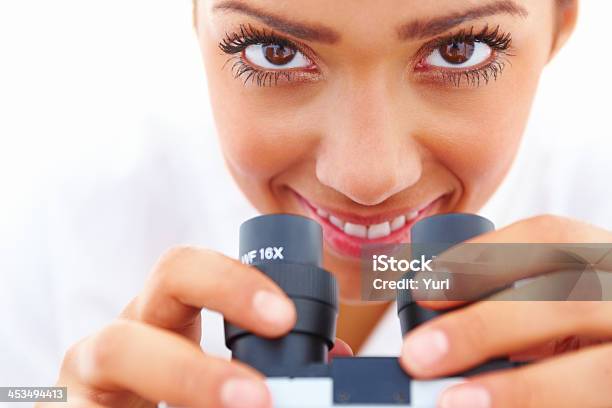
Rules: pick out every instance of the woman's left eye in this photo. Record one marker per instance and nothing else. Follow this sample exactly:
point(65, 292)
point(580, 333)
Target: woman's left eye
point(459, 54)
point(275, 57)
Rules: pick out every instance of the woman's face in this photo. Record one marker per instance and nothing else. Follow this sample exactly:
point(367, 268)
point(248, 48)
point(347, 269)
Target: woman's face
point(369, 115)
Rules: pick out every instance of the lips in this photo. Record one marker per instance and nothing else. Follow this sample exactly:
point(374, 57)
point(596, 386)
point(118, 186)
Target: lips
point(347, 233)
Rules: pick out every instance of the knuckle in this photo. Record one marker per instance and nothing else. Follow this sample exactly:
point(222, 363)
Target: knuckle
point(71, 358)
point(548, 219)
point(165, 272)
point(560, 226)
point(544, 219)
point(583, 310)
point(189, 375)
point(150, 310)
point(172, 258)
point(523, 388)
point(72, 353)
point(473, 328)
point(181, 258)
point(105, 346)
point(581, 315)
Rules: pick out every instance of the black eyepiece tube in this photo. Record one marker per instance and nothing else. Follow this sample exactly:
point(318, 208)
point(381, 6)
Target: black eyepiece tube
point(430, 237)
point(288, 249)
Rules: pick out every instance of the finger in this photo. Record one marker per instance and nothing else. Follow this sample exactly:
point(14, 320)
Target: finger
point(478, 269)
point(546, 229)
point(162, 366)
point(469, 336)
point(581, 379)
point(340, 349)
point(189, 279)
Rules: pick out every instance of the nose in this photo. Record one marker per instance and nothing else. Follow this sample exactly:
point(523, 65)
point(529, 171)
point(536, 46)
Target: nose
point(367, 151)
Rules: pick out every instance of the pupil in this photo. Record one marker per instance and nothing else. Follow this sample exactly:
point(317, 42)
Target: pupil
point(457, 52)
point(278, 54)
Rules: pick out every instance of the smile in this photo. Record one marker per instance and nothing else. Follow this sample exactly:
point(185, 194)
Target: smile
point(346, 233)
point(371, 232)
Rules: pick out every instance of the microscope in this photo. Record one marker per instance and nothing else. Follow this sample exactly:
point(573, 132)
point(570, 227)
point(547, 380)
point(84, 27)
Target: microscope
point(288, 249)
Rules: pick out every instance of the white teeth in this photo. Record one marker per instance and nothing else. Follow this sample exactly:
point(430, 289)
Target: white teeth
point(398, 223)
point(375, 231)
point(355, 230)
point(379, 230)
point(411, 216)
point(337, 222)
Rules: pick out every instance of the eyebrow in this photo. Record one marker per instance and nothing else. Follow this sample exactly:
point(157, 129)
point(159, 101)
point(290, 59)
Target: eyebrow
point(420, 29)
point(304, 31)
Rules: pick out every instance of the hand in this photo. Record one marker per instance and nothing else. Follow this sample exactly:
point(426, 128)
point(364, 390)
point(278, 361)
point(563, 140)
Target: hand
point(458, 340)
point(152, 352)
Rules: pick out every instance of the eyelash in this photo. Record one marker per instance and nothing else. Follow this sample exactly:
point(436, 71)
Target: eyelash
point(236, 43)
point(501, 46)
point(500, 43)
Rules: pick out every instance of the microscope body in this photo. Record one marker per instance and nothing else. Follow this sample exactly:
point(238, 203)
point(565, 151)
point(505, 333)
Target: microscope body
point(372, 382)
point(288, 249)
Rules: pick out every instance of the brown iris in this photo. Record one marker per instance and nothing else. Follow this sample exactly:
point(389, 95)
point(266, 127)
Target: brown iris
point(279, 54)
point(457, 52)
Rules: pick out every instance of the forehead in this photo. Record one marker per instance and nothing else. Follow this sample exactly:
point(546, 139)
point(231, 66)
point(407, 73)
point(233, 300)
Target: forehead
point(330, 21)
point(340, 12)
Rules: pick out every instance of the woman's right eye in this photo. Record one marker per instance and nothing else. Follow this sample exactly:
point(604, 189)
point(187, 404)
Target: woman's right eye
point(460, 54)
point(466, 57)
point(276, 57)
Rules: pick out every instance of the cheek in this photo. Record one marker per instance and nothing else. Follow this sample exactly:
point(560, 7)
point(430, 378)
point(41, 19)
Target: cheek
point(262, 132)
point(260, 145)
point(251, 144)
point(478, 132)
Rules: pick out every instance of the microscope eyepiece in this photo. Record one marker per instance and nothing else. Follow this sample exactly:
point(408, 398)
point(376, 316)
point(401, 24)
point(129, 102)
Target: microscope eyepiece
point(281, 238)
point(430, 237)
point(288, 249)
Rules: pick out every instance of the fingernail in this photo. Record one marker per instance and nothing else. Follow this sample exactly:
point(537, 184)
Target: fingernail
point(243, 393)
point(424, 349)
point(466, 396)
point(273, 308)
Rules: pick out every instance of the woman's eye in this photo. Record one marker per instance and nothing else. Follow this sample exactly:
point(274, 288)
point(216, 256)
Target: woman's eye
point(275, 56)
point(459, 54)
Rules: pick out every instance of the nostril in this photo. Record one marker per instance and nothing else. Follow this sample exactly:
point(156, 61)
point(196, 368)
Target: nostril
point(370, 195)
point(369, 171)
